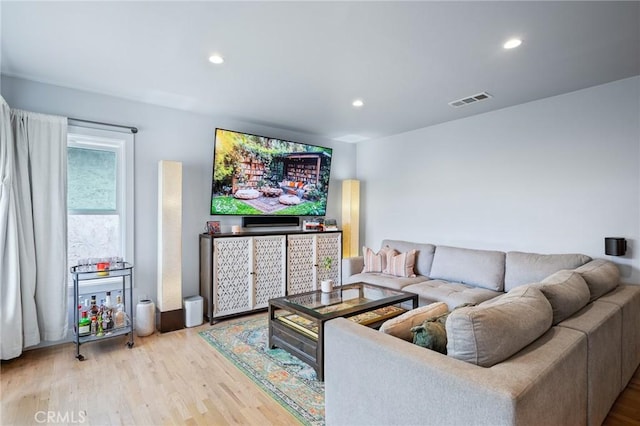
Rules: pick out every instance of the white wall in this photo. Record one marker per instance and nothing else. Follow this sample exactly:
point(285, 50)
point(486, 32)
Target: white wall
point(551, 176)
point(168, 134)
point(554, 175)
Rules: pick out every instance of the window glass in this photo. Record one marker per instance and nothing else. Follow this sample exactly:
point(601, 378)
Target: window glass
point(100, 197)
point(93, 236)
point(91, 179)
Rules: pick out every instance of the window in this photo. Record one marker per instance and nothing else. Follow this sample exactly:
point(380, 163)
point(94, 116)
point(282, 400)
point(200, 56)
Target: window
point(99, 195)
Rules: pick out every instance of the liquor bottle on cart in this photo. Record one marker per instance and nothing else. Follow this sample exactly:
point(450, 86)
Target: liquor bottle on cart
point(84, 325)
point(120, 316)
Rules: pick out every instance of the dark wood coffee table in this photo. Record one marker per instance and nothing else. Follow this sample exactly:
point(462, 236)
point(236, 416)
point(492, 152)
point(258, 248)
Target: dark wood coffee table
point(296, 322)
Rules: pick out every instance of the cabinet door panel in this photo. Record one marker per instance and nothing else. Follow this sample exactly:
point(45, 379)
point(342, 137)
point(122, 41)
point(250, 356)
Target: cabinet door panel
point(329, 246)
point(301, 263)
point(269, 268)
point(231, 275)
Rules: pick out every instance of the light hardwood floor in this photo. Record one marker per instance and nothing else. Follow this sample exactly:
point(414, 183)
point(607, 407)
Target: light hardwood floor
point(171, 378)
point(626, 410)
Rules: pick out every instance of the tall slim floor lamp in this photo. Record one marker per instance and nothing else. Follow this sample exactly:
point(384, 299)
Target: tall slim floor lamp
point(350, 217)
point(169, 315)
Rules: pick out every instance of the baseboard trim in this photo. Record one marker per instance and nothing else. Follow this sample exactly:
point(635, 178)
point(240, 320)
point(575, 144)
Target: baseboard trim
point(169, 320)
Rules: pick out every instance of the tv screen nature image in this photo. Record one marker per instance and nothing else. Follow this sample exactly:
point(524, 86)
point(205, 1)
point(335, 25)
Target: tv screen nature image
point(256, 175)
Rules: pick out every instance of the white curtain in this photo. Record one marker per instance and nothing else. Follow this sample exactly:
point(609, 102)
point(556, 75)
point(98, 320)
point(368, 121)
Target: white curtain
point(33, 229)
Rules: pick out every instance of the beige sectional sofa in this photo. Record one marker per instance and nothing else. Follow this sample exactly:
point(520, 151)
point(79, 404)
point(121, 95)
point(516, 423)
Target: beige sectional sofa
point(553, 339)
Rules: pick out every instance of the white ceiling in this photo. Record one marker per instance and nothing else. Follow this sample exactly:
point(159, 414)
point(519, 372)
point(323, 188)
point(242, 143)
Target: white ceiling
point(299, 65)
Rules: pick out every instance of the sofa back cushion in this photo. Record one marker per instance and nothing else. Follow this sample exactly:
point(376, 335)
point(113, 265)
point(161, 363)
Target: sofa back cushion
point(497, 329)
point(480, 268)
point(566, 291)
point(529, 268)
point(601, 276)
point(424, 254)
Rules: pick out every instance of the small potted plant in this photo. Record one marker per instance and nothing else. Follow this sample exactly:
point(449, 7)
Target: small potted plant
point(326, 285)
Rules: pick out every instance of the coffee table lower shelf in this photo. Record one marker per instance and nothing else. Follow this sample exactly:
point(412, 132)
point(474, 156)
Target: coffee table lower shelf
point(299, 330)
point(303, 347)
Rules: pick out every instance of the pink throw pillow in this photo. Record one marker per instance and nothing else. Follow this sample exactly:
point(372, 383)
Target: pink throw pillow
point(375, 262)
point(400, 264)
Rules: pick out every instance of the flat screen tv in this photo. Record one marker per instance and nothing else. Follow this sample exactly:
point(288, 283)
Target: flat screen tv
point(257, 175)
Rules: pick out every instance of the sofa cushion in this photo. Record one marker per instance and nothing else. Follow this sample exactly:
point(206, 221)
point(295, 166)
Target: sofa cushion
point(453, 294)
point(432, 334)
point(383, 280)
point(375, 262)
point(602, 325)
point(401, 325)
point(627, 297)
point(424, 254)
point(529, 268)
point(495, 330)
point(566, 291)
point(400, 264)
point(601, 276)
point(482, 268)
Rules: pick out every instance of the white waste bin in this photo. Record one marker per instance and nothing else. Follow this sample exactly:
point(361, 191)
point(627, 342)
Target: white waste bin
point(193, 315)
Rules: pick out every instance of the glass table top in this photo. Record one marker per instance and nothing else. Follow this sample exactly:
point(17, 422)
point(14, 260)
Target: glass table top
point(342, 300)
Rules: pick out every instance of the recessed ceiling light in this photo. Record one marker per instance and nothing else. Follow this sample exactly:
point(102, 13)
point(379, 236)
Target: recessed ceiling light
point(216, 59)
point(357, 103)
point(513, 43)
point(351, 138)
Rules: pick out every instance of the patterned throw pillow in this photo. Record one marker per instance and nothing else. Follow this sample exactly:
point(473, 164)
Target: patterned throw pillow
point(432, 334)
point(401, 325)
point(375, 262)
point(400, 264)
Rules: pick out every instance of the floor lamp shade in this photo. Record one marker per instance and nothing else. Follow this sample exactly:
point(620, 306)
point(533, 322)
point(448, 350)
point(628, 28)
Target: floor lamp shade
point(169, 305)
point(350, 217)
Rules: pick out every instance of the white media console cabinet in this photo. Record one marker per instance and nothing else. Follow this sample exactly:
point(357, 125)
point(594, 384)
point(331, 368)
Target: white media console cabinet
point(239, 273)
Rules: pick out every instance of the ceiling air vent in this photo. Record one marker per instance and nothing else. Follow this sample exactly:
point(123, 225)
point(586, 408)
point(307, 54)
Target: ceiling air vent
point(470, 100)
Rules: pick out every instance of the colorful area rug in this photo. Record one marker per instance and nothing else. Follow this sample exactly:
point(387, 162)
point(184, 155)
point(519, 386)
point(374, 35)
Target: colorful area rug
point(291, 382)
